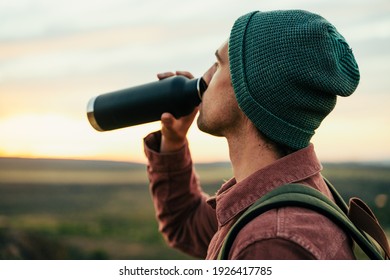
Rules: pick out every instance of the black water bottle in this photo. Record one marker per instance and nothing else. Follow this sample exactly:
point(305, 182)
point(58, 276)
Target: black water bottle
point(177, 95)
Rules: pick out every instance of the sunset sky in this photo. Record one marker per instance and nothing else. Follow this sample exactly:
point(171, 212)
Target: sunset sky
point(55, 55)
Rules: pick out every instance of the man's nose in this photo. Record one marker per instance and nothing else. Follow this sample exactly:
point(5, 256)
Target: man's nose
point(208, 75)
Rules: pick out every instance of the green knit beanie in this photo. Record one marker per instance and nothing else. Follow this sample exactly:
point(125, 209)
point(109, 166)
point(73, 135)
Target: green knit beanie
point(287, 68)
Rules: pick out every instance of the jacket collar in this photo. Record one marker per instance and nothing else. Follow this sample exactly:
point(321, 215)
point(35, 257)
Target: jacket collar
point(233, 198)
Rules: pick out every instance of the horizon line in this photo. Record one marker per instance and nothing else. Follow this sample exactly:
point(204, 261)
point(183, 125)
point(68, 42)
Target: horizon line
point(376, 161)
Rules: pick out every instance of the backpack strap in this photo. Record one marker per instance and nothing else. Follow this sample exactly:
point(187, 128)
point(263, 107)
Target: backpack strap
point(307, 197)
point(336, 196)
point(362, 217)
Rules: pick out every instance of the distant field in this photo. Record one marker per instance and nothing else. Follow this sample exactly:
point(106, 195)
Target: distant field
point(61, 209)
point(49, 171)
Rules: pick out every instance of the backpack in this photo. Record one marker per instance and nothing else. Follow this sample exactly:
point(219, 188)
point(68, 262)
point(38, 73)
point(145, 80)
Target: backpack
point(357, 219)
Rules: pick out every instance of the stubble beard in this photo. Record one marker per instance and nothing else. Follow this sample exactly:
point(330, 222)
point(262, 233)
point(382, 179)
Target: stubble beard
point(207, 126)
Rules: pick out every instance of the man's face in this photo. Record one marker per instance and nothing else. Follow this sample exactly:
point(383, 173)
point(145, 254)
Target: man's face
point(219, 111)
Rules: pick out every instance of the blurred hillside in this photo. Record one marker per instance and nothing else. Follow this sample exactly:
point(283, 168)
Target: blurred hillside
point(76, 209)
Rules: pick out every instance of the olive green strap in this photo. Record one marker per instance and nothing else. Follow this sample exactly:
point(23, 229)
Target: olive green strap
point(307, 197)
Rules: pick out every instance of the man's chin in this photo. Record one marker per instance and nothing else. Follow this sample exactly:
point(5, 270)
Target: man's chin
point(207, 128)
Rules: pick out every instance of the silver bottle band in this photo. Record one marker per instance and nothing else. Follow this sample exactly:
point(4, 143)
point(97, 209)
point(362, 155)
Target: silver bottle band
point(198, 88)
point(91, 115)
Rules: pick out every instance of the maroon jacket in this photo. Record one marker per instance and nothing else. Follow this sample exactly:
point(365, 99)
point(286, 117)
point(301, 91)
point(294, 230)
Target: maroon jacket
point(197, 224)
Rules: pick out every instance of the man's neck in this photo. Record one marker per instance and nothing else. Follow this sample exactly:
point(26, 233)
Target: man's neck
point(248, 153)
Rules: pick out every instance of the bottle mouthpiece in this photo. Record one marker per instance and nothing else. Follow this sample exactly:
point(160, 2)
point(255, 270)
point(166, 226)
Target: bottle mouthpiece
point(201, 87)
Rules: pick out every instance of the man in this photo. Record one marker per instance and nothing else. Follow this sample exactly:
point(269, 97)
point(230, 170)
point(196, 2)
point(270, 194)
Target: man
point(274, 81)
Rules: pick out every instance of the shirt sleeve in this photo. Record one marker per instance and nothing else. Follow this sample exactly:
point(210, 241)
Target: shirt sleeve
point(185, 219)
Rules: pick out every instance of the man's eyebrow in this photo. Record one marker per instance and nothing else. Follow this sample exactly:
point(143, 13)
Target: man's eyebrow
point(218, 56)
